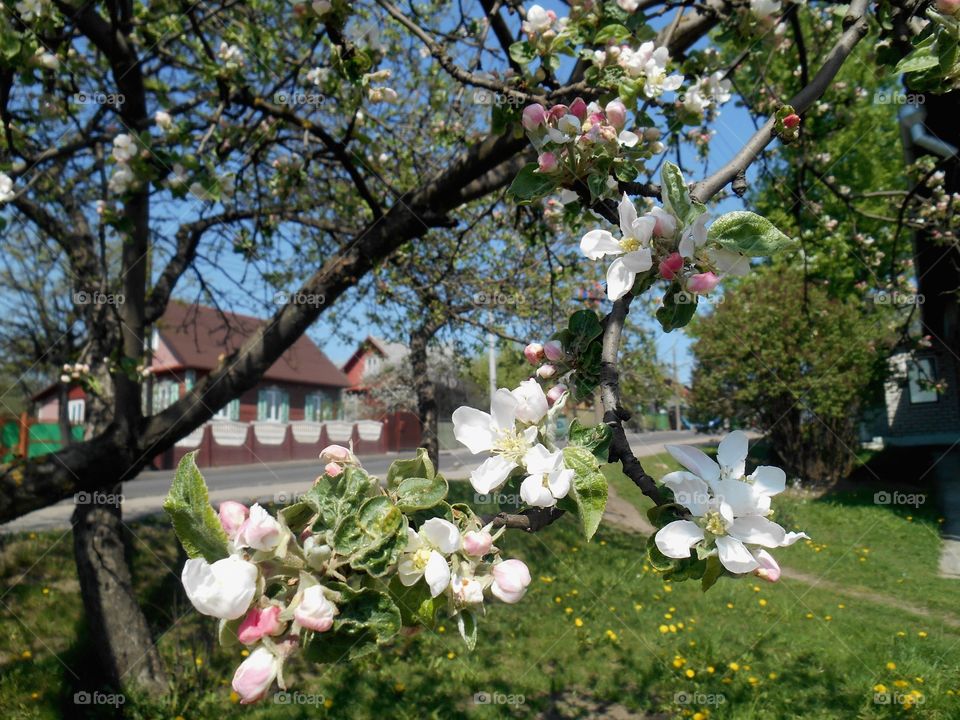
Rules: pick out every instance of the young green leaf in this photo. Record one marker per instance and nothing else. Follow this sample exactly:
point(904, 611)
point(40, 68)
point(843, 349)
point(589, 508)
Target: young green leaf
point(748, 234)
point(188, 505)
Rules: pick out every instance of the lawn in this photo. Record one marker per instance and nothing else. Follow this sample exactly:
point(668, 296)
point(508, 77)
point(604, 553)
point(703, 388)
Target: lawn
point(598, 634)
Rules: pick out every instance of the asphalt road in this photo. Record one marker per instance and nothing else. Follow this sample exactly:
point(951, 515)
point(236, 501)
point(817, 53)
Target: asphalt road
point(283, 481)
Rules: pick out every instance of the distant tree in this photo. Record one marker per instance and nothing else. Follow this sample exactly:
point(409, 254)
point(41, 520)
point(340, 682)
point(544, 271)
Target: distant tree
point(782, 355)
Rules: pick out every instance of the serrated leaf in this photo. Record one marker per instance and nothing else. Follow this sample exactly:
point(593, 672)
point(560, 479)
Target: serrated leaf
point(916, 61)
point(416, 467)
point(595, 438)
point(589, 487)
point(676, 197)
point(530, 185)
point(747, 233)
point(194, 521)
point(611, 32)
point(418, 493)
point(367, 618)
point(376, 522)
point(522, 52)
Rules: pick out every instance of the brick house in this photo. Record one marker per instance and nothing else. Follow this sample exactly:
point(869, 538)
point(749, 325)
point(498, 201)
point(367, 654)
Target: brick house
point(190, 340)
point(916, 412)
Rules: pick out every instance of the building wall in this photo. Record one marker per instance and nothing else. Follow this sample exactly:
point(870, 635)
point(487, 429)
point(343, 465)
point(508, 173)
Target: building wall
point(934, 421)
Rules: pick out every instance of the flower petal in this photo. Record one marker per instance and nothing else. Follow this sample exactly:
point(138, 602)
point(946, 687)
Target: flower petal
point(540, 460)
point(791, 537)
point(503, 409)
point(442, 534)
point(559, 482)
point(492, 473)
point(689, 490)
point(696, 461)
point(533, 493)
point(769, 569)
point(757, 530)
point(437, 573)
point(732, 454)
point(769, 480)
point(642, 229)
point(619, 280)
point(639, 260)
point(734, 556)
point(675, 539)
point(473, 428)
point(740, 496)
point(628, 216)
point(597, 243)
point(408, 572)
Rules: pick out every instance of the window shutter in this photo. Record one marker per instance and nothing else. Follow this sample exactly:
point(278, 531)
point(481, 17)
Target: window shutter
point(284, 406)
point(261, 405)
point(235, 409)
point(189, 380)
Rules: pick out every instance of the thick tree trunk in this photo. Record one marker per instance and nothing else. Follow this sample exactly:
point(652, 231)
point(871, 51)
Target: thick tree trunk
point(425, 390)
point(118, 628)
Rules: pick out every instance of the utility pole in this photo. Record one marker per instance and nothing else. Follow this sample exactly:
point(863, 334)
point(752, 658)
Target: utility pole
point(676, 389)
point(492, 359)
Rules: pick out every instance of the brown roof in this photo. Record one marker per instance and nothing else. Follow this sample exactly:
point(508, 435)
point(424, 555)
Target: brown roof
point(199, 335)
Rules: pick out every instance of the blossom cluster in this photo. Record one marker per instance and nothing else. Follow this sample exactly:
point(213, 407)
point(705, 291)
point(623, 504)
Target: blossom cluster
point(729, 510)
point(659, 238)
point(73, 372)
point(284, 586)
point(515, 435)
point(123, 178)
point(7, 193)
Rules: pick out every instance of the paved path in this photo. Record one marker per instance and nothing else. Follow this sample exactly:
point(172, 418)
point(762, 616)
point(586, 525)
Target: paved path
point(282, 481)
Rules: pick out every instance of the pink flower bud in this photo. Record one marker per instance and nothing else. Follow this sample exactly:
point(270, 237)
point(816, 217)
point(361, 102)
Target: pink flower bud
point(533, 353)
point(259, 531)
point(702, 283)
point(553, 351)
point(510, 580)
point(769, 570)
point(232, 515)
point(333, 469)
point(255, 675)
point(546, 371)
point(791, 121)
point(315, 612)
point(258, 623)
point(338, 454)
point(616, 114)
point(555, 393)
point(557, 112)
point(671, 265)
point(477, 543)
point(579, 108)
point(534, 116)
point(547, 162)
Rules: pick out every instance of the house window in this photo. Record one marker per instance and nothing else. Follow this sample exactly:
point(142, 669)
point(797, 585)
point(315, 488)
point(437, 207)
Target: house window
point(189, 380)
point(165, 394)
point(922, 374)
point(76, 409)
point(313, 407)
point(230, 411)
point(273, 405)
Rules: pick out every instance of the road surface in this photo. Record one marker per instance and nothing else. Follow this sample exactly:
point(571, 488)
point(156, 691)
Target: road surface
point(281, 482)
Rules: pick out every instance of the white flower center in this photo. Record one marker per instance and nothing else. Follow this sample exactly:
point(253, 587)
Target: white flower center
point(630, 244)
point(512, 445)
point(421, 557)
point(715, 523)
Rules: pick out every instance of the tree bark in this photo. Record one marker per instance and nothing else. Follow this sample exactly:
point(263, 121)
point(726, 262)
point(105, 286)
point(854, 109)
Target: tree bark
point(425, 390)
point(119, 632)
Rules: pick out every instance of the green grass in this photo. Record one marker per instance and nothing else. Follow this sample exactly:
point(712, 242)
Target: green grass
point(795, 651)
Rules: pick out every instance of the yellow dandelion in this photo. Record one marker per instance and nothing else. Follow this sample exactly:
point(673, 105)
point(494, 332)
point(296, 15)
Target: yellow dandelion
point(441, 629)
point(922, 634)
point(399, 687)
point(664, 629)
point(578, 622)
point(244, 653)
point(734, 666)
point(328, 703)
point(234, 696)
point(568, 610)
point(690, 672)
point(762, 602)
point(451, 655)
point(673, 628)
point(772, 676)
point(668, 616)
point(711, 669)
point(891, 666)
point(879, 688)
point(26, 654)
point(901, 683)
point(729, 606)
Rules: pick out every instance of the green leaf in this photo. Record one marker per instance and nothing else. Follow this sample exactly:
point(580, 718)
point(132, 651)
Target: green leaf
point(530, 185)
point(712, 573)
point(748, 234)
point(418, 467)
point(916, 61)
point(377, 522)
point(522, 52)
point(416, 605)
point(297, 516)
point(467, 625)
point(194, 520)
point(367, 618)
point(584, 326)
point(677, 310)
point(421, 493)
point(595, 438)
point(676, 197)
point(336, 497)
point(597, 184)
point(611, 32)
point(589, 487)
